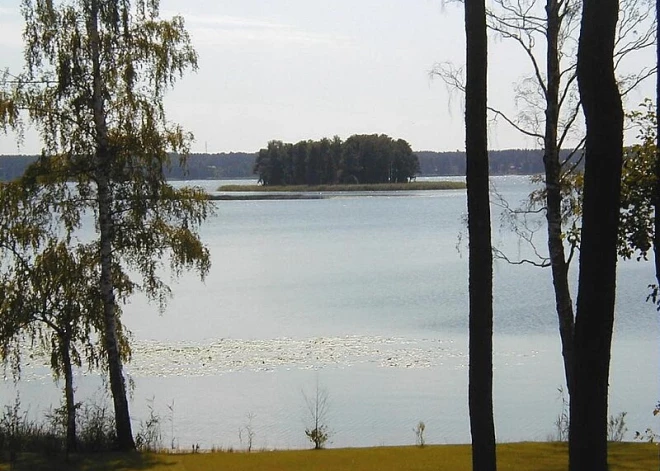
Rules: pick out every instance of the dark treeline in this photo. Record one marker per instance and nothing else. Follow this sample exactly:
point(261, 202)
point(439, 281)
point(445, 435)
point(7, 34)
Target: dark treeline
point(198, 166)
point(13, 166)
point(241, 164)
point(501, 162)
point(213, 167)
point(366, 158)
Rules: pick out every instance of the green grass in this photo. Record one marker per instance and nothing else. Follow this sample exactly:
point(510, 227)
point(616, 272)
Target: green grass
point(511, 456)
point(444, 185)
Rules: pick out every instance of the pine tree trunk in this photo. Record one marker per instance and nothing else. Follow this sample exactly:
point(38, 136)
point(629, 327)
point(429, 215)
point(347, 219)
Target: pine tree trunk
point(596, 288)
point(482, 426)
point(563, 301)
point(103, 169)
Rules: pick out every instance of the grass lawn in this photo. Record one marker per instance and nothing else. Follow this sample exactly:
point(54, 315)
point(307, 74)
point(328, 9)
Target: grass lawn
point(511, 456)
point(444, 185)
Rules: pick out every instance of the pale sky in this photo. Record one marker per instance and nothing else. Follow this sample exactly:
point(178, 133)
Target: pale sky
point(307, 69)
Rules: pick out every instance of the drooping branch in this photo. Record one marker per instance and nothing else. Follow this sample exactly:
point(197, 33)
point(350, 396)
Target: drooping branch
point(517, 220)
point(497, 253)
point(513, 124)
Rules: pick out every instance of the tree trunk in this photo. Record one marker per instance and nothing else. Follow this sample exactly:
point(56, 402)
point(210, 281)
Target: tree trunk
point(71, 442)
point(103, 166)
point(596, 288)
point(117, 385)
point(563, 301)
point(482, 426)
point(656, 227)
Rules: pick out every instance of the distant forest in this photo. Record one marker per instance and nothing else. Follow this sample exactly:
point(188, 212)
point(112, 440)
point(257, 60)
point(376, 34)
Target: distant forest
point(241, 164)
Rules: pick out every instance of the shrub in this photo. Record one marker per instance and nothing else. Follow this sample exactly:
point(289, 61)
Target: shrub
point(149, 438)
point(20, 434)
point(420, 440)
point(616, 427)
point(96, 428)
point(317, 406)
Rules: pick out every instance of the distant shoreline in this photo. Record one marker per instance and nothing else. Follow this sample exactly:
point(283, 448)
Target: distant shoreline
point(412, 186)
point(313, 192)
point(230, 165)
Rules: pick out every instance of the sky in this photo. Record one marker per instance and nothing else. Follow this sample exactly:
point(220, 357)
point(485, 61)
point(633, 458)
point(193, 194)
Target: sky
point(305, 69)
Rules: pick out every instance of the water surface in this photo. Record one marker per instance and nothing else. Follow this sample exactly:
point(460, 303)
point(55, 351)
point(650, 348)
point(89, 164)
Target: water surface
point(366, 297)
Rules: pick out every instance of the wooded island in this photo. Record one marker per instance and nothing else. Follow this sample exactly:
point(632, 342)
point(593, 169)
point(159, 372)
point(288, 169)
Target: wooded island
point(228, 165)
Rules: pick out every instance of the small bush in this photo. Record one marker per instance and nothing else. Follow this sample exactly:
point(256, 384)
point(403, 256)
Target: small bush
point(649, 435)
point(247, 432)
point(616, 427)
point(563, 419)
point(317, 406)
point(318, 436)
point(420, 440)
point(96, 428)
point(149, 438)
point(18, 434)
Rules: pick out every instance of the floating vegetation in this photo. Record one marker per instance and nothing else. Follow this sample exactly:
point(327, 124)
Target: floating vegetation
point(212, 357)
point(228, 355)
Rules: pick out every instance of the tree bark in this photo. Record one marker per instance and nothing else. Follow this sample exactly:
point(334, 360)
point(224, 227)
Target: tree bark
point(596, 288)
point(103, 169)
point(563, 301)
point(480, 393)
point(71, 441)
point(656, 224)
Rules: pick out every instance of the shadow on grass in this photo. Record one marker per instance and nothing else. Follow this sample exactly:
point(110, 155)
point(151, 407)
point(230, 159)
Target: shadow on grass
point(86, 462)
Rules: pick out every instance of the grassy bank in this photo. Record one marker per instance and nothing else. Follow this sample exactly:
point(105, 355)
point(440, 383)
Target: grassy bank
point(412, 186)
point(513, 456)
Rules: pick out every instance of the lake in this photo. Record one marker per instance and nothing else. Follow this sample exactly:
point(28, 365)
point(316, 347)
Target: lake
point(366, 298)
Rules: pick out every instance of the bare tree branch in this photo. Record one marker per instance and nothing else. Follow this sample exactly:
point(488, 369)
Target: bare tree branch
point(497, 253)
point(518, 128)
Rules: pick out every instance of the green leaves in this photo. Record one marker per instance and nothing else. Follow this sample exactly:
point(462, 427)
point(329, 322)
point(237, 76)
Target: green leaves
point(93, 87)
point(360, 159)
point(139, 57)
point(636, 222)
point(133, 57)
point(638, 181)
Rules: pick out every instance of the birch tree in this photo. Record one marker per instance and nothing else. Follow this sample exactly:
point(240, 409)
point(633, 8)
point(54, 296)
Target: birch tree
point(94, 80)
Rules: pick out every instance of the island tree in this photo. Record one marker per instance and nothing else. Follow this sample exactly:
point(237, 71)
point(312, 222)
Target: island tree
point(365, 158)
point(93, 86)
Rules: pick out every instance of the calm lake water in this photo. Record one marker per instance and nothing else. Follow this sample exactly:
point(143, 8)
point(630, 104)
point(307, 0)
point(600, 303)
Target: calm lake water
point(366, 297)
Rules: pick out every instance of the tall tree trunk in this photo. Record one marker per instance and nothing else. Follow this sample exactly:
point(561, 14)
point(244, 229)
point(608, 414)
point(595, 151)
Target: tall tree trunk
point(563, 301)
point(656, 202)
point(115, 368)
point(482, 426)
point(71, 442)
point(103, 169)
point(596, 288)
